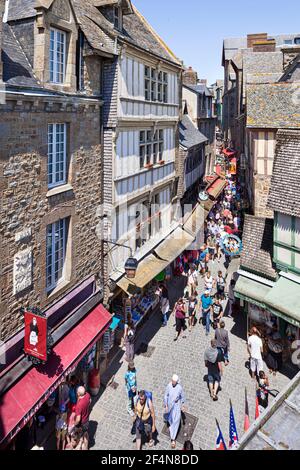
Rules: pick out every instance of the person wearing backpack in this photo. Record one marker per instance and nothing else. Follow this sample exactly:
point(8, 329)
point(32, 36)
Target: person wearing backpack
point(131, 386)
point(145, 418)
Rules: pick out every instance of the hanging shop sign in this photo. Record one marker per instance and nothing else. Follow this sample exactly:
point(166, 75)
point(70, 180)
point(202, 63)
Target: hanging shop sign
point(37, 339)
point(232, 245)
point(203, 196)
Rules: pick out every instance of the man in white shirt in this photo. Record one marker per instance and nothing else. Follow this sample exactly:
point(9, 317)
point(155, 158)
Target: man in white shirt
point(255, 349)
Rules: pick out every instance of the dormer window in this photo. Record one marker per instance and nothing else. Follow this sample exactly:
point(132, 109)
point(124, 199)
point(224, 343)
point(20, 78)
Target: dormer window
point(58, 41)
point(118, 18)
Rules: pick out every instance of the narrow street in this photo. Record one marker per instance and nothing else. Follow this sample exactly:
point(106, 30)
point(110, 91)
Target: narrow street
point(110, 423)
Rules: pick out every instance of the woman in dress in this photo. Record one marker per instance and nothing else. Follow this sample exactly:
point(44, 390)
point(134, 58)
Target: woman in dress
point(129, 336)
point(173, 401)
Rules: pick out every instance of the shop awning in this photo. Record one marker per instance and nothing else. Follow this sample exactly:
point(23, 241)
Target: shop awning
point(195, 221)
point(284, 300)
point(152, 265)
point(27, 396)
point(174, 245)
point(229, 153)
point(147, 269)
point(217, 187)
point(251, 291)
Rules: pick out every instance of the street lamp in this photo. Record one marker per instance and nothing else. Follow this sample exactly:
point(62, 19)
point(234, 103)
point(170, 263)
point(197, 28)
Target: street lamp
point(131, 264)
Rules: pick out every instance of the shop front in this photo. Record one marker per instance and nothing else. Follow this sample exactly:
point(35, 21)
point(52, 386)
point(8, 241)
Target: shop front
point(138, 297)
point(275, 317)
point(31, 393)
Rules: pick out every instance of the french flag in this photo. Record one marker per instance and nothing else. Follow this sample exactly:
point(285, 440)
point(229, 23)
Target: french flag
point(220, 443)
point(233, 435)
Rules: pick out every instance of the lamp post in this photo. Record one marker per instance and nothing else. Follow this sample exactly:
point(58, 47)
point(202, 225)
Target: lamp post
point(131, 264)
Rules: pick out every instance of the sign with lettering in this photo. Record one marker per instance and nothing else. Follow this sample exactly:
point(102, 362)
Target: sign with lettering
point(35, 339)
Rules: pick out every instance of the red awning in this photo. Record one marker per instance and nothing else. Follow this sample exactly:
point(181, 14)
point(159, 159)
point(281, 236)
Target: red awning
point(25, 398)
point(217, 187)
point(229, 153)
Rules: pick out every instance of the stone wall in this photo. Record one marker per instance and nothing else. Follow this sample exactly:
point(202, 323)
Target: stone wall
point(262, 186)
point(27, 207)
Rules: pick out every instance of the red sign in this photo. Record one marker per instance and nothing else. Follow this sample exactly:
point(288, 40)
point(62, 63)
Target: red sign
point(35, 341)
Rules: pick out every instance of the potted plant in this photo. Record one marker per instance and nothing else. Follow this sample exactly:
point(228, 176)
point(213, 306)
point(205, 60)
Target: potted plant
point(149, 165)
point(161, 162)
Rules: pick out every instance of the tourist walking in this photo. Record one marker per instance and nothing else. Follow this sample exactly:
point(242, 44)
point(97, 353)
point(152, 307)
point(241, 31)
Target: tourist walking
point(129, 337)
point(192, 282)
point(180, 314)
point(213, 359)
point(192, 307)
point(220, 282)
point(217, 311)
point(255, 350)
point(164, 303)
point(83, 408)
point(131, 387)
point(206, 303)
point(145, 419)
point(231, 298)
point(209, 282)
point(173, 401)
point(223, 343)
point(61, 427)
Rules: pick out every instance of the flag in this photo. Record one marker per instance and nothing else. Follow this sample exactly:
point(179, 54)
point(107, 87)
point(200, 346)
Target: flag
point(220, 444)
point(246, 421)
point(233, 435)
point(256, 408)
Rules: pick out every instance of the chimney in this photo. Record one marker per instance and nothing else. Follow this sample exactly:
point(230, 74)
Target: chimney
point(203, 81)
point(265, 46)
point(190, 77)
point(2, 10)
point(252, 38)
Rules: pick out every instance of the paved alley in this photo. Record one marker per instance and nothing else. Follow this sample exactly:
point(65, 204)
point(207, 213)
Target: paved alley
point(110, 423)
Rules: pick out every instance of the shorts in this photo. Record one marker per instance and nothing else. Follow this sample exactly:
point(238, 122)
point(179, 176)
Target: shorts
point(61, 434)
point(147, 427)
point(214, 377)
point(85, 426)
point(192, 312)
point(256, 365)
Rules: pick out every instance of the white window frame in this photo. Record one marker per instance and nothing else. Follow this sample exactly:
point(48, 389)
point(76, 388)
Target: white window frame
point(156, 85)
point(151, 147)
point(57, 76)
point(53, 157)
point(52, 257)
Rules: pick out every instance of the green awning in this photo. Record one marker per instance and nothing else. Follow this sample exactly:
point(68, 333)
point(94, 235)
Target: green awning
point(251, 291)
point(284, 300)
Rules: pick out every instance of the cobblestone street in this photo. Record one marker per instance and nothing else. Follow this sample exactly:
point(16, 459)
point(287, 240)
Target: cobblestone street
point(110, 423)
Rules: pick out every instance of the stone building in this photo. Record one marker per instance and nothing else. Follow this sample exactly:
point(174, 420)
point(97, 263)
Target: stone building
point(51, 185)
point(259, 65)
point(269, 281)
point(198, 101)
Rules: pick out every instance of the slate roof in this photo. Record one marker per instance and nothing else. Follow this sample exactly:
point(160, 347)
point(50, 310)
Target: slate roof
point(284, 194)
point(189, 135)
point(97, 29)
point(20, 9)
point(16, 68)
point(200, 89)
point(278, 428)
point(257, 250)
point(137, 31)
point(273, 106)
